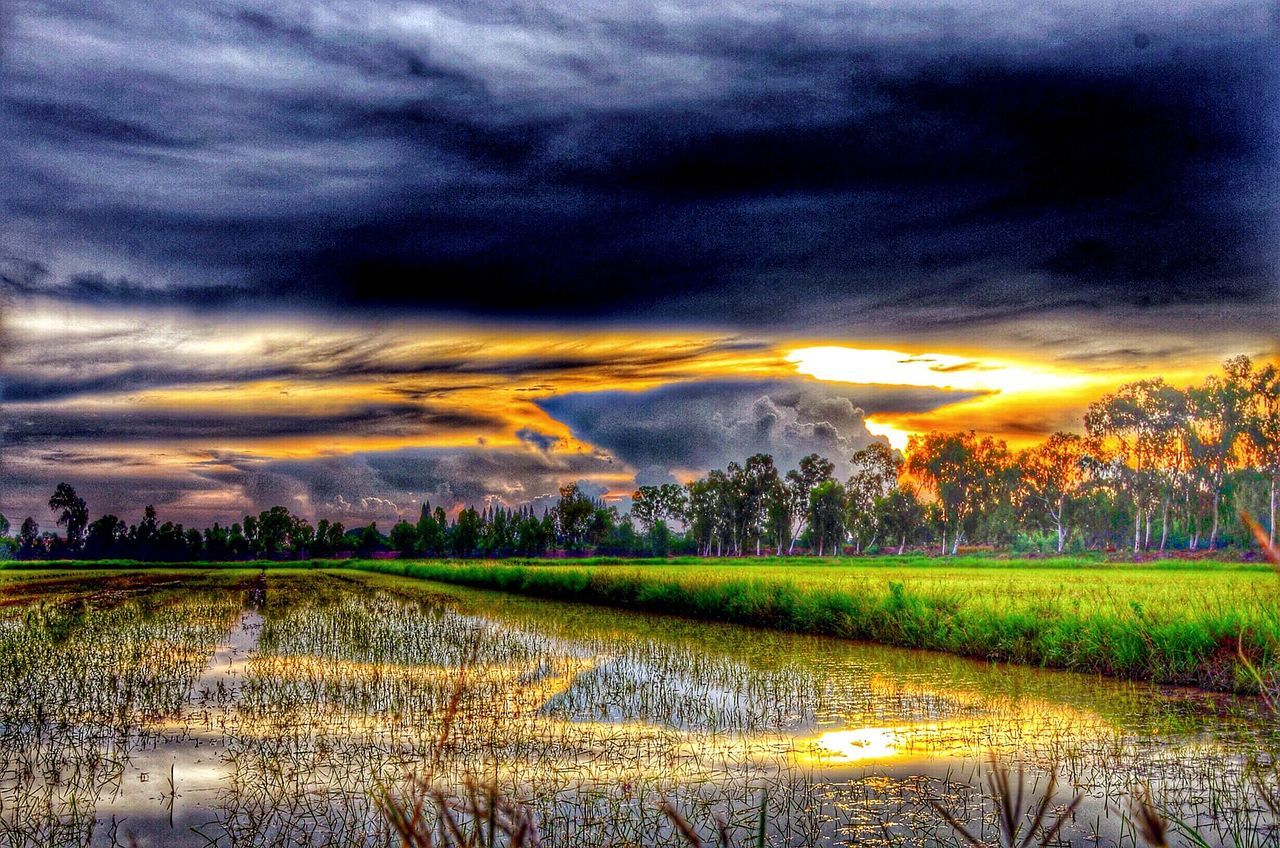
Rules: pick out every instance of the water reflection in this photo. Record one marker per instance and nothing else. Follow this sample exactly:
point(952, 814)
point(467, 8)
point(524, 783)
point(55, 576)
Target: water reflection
point(241, 711)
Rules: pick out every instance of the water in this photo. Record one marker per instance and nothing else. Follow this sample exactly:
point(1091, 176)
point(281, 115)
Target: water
point(238, 710)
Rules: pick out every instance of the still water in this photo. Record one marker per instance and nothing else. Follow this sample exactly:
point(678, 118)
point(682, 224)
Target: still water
point(237, 709)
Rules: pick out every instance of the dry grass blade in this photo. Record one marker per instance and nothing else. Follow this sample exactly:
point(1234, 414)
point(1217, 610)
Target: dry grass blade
point(1009, 799)
point(1151, 824)
point(1270, 551)
point(682, 825)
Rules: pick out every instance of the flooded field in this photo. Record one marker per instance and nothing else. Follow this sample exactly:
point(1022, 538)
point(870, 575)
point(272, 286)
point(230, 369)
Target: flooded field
point(291, 708)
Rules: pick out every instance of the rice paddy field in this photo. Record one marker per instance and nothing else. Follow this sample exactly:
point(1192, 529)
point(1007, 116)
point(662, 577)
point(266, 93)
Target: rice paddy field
point(1173, 621)
point(281, 706)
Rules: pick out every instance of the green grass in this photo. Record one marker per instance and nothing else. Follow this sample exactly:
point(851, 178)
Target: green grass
point(1169, 621)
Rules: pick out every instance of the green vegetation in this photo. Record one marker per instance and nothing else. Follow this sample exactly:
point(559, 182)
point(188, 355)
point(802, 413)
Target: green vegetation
point(1163, 621)
point(315, 699)
point(1169, 621)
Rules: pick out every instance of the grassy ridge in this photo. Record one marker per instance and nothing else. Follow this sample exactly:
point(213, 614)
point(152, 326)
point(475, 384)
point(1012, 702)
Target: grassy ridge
point(1170, 621)
point(1150, 622)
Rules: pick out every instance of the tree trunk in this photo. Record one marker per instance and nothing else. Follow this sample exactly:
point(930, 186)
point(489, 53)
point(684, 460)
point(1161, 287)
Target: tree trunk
point(955, 543)
point(1213, 536)
point(903, 546)
point(1164, 525)
point(1058, 520)
point(1273, 512)
point(1137, 531)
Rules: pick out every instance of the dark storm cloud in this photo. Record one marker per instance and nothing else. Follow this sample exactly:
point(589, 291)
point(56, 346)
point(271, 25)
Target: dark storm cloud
point(692, 162)
point(707, 425)
point(43, 426)
point(384, 484)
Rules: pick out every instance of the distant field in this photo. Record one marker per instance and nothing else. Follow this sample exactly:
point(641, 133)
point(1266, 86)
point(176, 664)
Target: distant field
point(1171, 621)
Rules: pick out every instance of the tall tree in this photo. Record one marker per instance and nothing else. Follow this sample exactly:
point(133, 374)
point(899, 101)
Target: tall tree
point(29, 541)
point(573, 514)
point(760, 483)
point(1135, 424)
point(826, 517)
point(814, 470)
point(900, 515)
point(967, 475)
point(875, 474)
point(73, 514)
point(1262, 425)
point(1052, 477)
point(1219, 416)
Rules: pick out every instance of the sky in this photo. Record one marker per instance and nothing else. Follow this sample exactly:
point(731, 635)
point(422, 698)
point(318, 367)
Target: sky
point(353, 256)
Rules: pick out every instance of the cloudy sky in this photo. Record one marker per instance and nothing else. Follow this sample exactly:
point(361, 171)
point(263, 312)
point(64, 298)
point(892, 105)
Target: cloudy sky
point(347, 256)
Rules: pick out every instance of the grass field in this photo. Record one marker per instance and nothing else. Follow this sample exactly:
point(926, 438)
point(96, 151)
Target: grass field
point(1173, 621)
point(1170, 622)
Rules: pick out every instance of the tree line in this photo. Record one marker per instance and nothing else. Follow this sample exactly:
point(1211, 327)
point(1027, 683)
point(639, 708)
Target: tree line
point(1155, 466)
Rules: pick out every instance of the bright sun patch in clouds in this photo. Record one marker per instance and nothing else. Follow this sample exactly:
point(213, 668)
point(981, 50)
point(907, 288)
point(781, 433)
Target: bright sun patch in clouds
point(936, 370)
point(1008, 392)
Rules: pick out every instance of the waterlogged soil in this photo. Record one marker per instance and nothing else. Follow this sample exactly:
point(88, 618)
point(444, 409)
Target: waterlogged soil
point(240, 708)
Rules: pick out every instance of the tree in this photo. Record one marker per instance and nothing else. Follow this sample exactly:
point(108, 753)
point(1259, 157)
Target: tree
point(1136, 425)
point(875, 474)
point(302, 537)
point(759, 482)
point(74, 514)
point(646, 506)
point(404, 538)
point(800, 483)
point(431, 530)
point(1052, 475)
point(369, 540)
point(826, 516)
point(29, 541)
point(573, 515)
point(1219, 410)
point(105, 538)
point(1262, 426)
point(968, 475)
point(464, 536)
point(4, 526)
point(900, 514)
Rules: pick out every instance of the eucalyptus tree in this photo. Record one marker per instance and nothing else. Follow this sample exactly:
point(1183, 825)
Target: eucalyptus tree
point(73, 514)
point(1262, 426)
point(1052, 476)
point(900, 515)
point(827, 517)
point(1136, 425)
point(431, 530)
point(105, 538)
point(759, 483)
point(814, 470)
point(573, 515)
point(30, 542)
point(1219, 412)
point(968, 476)
point(875, 474)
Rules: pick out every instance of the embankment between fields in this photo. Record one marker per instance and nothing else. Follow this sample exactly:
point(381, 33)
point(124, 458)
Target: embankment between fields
point(1202, 649)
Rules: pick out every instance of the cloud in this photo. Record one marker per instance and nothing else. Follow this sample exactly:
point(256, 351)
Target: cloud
point(707, 425)
point(80, 425)
point(928, 167)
